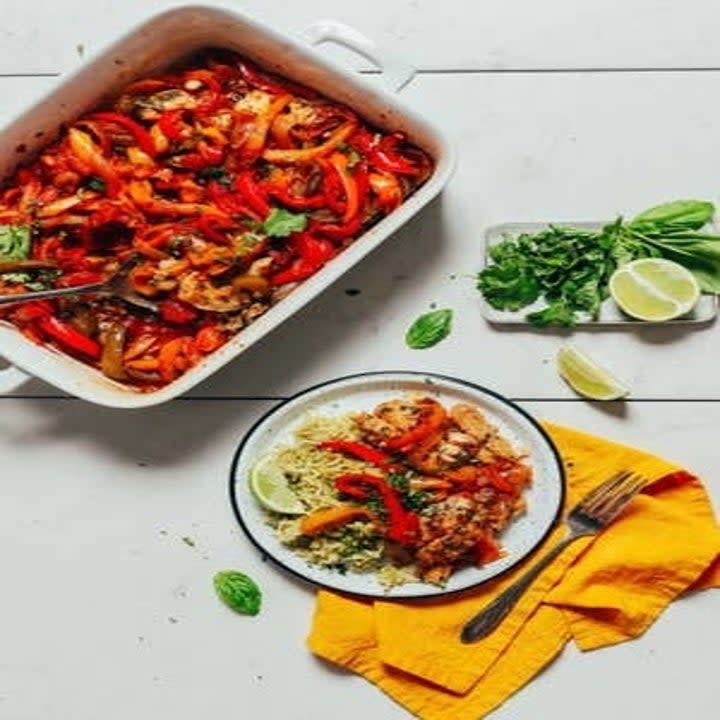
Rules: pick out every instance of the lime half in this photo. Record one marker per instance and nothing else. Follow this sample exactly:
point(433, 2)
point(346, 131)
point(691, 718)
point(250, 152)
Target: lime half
point(654, 289)
point(270, 487)
point(586, 377)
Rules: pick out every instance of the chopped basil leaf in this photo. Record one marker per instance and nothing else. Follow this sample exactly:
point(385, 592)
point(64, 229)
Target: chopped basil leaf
point(14, 242)
point(281, 223)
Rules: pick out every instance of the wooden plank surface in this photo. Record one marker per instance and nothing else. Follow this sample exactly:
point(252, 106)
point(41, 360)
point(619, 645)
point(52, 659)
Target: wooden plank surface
point(107, 612)
point(43, 36)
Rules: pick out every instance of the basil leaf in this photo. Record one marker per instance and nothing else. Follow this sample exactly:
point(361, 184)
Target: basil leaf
point(429, 329)
point(239, 592)
point(14, 242)
point(96, 183)
point(678, 214)
point(281, 223)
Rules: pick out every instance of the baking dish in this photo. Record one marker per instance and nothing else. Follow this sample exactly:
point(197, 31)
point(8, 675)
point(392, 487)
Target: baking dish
point(159, 42)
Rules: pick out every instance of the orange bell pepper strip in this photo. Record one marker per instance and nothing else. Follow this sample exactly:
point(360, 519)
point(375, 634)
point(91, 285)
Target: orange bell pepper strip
point(140, 191)
point(89, 154)
point(170, 359)
point(327, 519)
point(432, 418)
point(255, 142)
point(209, 339)
point(338, 136)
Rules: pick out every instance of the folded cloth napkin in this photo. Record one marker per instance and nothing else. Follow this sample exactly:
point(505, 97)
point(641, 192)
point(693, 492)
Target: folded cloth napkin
point(601, 591)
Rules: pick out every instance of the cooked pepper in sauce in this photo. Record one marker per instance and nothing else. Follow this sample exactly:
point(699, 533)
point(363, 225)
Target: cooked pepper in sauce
point(227, 184)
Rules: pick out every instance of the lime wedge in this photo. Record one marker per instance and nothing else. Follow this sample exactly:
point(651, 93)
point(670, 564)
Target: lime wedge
point(586, 377)
point(270, 487)
point(654, 289)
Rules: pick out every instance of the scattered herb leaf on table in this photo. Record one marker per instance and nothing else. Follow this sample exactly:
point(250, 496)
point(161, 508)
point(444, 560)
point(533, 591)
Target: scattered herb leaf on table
point(429, 329)
point(238, 591)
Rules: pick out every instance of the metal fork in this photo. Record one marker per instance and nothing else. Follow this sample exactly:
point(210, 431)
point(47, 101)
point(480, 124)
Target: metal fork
point(593, 513)
point(116, 286)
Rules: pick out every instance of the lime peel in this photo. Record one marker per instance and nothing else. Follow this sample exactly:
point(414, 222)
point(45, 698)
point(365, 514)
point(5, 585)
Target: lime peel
point(586, 377)
point(270, 488)
point(654, 289)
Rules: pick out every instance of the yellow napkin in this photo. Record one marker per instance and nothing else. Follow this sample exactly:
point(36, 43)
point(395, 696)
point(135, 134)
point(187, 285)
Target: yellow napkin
point(600, 591)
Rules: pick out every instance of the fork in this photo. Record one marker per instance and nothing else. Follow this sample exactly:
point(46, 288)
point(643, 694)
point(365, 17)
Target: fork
point(117, 285)
point(591, 515)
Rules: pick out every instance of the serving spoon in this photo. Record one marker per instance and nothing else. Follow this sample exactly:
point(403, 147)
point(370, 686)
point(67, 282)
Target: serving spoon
point(118, 285)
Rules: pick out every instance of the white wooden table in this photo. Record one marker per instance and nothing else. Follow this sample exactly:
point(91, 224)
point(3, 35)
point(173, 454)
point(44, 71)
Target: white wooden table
point(561, 110)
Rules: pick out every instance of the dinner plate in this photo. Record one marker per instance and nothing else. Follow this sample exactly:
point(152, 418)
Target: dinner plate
point(362, 392)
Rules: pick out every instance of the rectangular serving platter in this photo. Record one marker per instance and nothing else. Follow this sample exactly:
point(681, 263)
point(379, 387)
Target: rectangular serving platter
point(610, 315)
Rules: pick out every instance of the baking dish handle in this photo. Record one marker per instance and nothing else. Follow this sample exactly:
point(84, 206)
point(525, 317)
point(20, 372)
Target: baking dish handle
point(11, 378)
point(396, 73)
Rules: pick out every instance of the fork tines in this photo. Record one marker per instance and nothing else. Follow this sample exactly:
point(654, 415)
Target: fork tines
point(610, 497)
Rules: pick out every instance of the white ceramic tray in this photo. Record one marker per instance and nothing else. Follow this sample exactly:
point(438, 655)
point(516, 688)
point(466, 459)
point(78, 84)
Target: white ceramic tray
point(157, 43)
point(610, 315)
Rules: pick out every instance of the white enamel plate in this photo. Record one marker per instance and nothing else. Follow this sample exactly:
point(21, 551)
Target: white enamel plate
point(362, 392)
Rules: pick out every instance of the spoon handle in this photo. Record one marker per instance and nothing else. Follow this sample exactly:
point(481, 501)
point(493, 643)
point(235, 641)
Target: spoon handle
point(52, 293)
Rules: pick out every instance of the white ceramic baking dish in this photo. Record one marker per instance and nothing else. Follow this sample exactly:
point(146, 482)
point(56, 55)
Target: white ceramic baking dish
point(159, 42)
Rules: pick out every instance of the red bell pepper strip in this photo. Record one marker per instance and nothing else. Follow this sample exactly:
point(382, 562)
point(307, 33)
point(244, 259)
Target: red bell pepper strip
point(403, 525)
point(486, 550)
point(363, 141)
point(205, 156)
point(32, 310)
point(171, 124)
point(358, 450)
point(338, 231)
point(296, 202)
point(70, 338)
point(252, 193)
point(314, 253)
point(212, 227)
point(140, 134)
point(386, 156)
point(176, 312)
point(228, 202)
point(257, 79)
point(80, 277)
point(432, 417)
